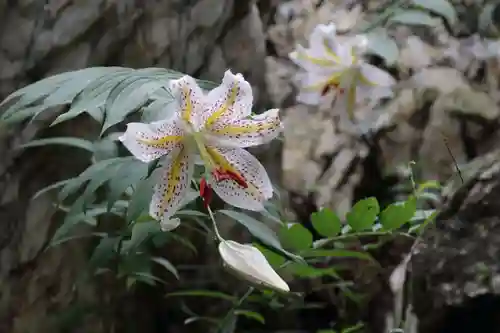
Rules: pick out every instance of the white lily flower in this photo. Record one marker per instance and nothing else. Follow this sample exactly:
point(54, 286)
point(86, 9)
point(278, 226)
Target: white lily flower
point(249, 263)
point(215, 127)
point(333, 62)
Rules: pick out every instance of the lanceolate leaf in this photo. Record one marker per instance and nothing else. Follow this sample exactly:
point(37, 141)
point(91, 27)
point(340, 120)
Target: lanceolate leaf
point(413, 17)
point(440, 7)
point(89, 90)
point(93, 97)
point(75, 183)
point(129, 174)
point(260, 231)
point(64, 86)
point(69, 141)
point(130, 94)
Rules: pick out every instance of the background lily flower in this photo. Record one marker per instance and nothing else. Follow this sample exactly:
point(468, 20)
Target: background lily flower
point(212, 128)
point(334, 63)
point(248, 262)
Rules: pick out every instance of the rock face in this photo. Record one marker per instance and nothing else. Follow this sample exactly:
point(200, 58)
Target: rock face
point(456, 275)
point(40, 38)
point(446, 115)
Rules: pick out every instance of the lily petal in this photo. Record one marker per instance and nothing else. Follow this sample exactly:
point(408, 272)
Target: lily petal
point(374, 76)
point(244, 164)
point(169, 224)
point(311, 87)
point(147, 142)
point(325, 51)
point(190, 98)
point(249, 263)
point(168, 194)
point(230, 101)
point(311, 59)
point(247, 132)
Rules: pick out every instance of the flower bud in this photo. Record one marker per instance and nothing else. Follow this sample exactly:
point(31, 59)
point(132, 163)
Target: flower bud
point(249, 263)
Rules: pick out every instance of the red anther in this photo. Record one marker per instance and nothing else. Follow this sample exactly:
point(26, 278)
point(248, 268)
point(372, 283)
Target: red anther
point(330, 86)
point(221, 174)
point(325, 90)
point(237, 178)
point(205, 192)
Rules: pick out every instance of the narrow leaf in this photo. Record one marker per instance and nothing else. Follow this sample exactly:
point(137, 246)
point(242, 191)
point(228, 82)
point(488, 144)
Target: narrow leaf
point(203, 293)
point(167, 265)
point(414, 17)
point(440, 7)
point(65, 141)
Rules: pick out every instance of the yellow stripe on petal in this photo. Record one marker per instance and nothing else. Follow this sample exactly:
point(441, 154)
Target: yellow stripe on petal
point(351, 101)
point(162, 141)
point(170, 190)
point(228, 102)
point(220, 160)
point(317, 61)
point(330, 51)
point(246, 129)
point(173, 180)
point(188, 108)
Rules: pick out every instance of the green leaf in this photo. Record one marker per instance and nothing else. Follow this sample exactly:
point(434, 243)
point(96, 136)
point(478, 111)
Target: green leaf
point(104, 252)
point(439, 7)
point(140, 233)
point(89, 217)
point(486, 17)
point(93, 97)
point(102, 177)
point(50, 187)
point(326, 222)
point(413, 17)
point(296, 237)
point(363, 215)
point(381, 44)
point(306, 271)
point(130, 94)
point(158, 109)
point(65, 141)
point(260, 231)
point(274, 259)
point(203, 293)
point(190, 212)
point(75, 183)
point(256, 228)
point(141, 198)
point(167, 265)
point(251, 315)
point(52, 91)
point(107, 147)
point(129, 174)
point(397, 214)
point(338, 253)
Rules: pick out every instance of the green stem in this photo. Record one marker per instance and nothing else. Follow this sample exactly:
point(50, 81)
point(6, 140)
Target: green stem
point(326, 241)
point(235, 306)
point(212, 218)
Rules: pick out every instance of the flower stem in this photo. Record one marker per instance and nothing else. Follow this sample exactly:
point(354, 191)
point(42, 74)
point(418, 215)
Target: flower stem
point(212, 218)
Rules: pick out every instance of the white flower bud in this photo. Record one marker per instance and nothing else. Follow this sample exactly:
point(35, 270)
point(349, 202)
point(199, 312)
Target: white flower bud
point(248, 262)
